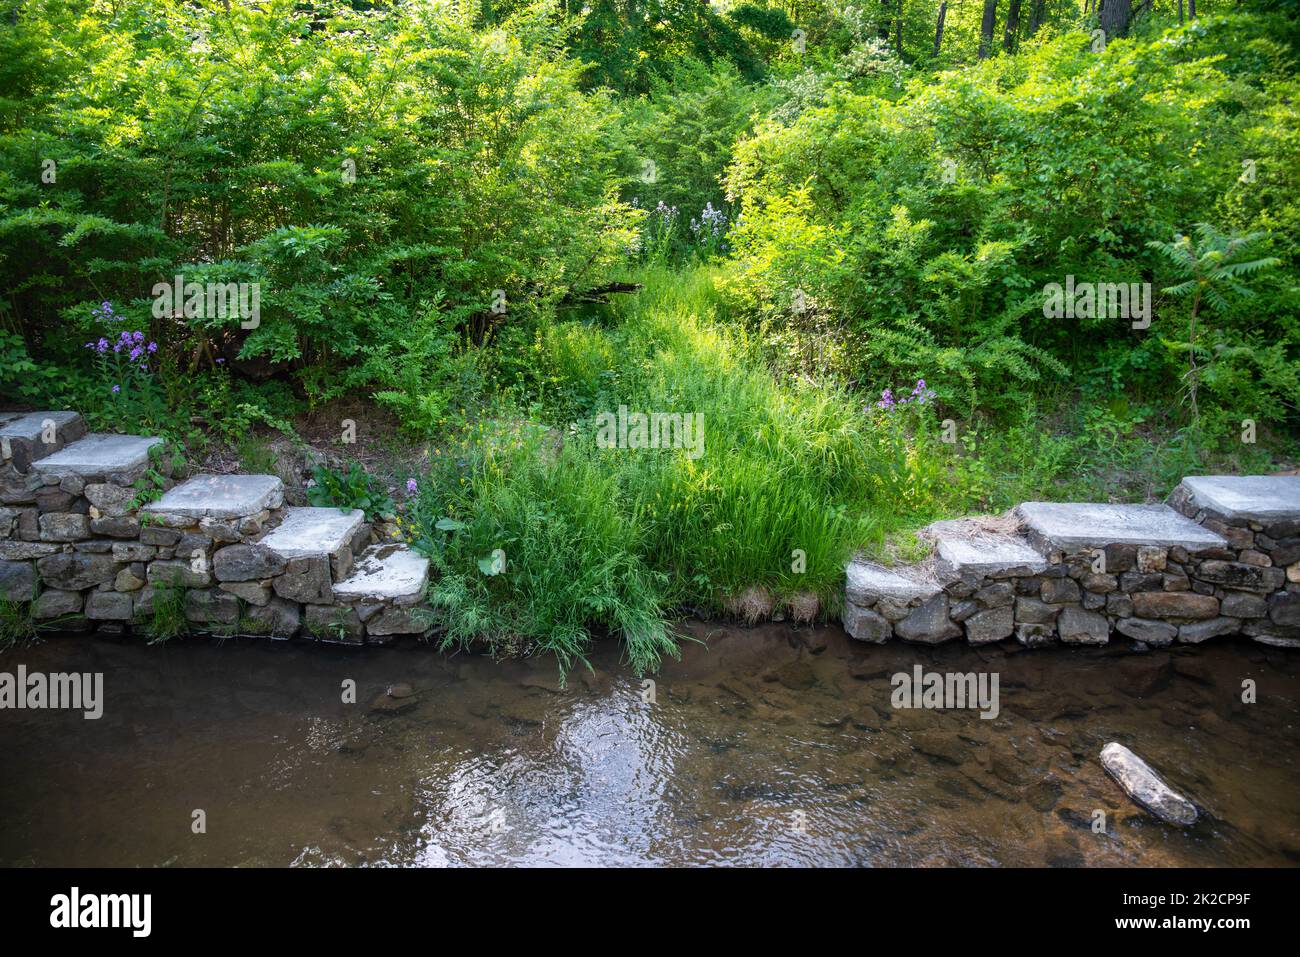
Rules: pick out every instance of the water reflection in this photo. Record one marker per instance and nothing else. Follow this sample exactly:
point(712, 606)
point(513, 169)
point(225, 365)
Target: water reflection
point(764, 747)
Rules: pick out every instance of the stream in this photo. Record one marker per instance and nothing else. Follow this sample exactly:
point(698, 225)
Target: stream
point(763, 746)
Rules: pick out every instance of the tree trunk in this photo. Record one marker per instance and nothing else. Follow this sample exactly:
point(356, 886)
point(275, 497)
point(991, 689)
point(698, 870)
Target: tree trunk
point(1114, 18)
point(1191, 9)
point(898, 30)
point(883, 30)
point(1036, 17)
point(987, 27)
point(1012, 35)
point(938, 30)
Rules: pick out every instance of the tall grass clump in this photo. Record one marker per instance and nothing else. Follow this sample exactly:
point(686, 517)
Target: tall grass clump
point(17, 626)
point(542, 549)
point(795, 475)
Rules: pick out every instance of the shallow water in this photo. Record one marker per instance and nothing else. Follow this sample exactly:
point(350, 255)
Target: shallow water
point(765, 746)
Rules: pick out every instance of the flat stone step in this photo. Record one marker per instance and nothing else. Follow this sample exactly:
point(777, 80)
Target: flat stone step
point(22, 435)
point(220, 497)
point(968, 545)
point(867, 582)
point(1261, 498)
point(1073, 526)
point(388, 572)
point(313, 531)
point(123, 458)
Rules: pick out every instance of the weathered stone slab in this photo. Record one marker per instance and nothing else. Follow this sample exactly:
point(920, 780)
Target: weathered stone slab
point(1242, 576)
point(1079, 627)
point(1175, 604)
point(1145, 787)
point(17, 581)
point(211, 606)
point(242, 563)
point(64, 527)
point(108, 606)
point(177, 574)
point(278, 618)
point(929, 623)
point(305, 580)
point(865, 625)
point(965, 547)
point(1195, 632)
point(73, 572)
point(255, 593)
point(54, 603)
point(111, 501)
point(22, 551)
point(386, 573)
point(868, 582)
point(1073, 526)
point(1155, 633)
point(333, 623)
point(23, 436)
point(399, 621)
point(99, 455)
point(989, 626)
point(1261, 498)
point(313, 531)
point(220, 496)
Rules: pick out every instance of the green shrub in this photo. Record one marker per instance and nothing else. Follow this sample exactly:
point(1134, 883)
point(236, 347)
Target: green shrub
point(922, 230)
point(348, 488)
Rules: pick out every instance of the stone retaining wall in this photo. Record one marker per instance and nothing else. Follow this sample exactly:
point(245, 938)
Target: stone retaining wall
point(84, 554)
point(1242, 577)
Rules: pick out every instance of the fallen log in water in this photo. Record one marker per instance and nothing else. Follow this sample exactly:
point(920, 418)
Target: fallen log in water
point(1145, 787)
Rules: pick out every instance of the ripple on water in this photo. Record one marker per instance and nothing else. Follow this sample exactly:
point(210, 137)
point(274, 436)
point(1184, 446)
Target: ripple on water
point(767, 746)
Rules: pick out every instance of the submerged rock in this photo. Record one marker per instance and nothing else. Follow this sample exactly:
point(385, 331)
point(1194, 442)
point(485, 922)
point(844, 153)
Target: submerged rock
point(1145, 787)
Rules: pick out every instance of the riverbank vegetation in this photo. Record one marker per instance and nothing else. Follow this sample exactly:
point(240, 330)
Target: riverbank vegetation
point(833, 232)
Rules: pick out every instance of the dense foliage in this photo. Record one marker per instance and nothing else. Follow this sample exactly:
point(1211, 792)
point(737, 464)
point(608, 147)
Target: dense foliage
point(845, 233)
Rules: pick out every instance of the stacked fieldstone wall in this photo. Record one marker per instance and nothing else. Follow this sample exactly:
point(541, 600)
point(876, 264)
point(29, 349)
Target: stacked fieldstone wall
point(88, 554)
point(1254, 578)
point(1241, 577)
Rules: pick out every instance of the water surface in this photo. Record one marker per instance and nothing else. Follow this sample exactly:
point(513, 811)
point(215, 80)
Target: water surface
point(765, 746)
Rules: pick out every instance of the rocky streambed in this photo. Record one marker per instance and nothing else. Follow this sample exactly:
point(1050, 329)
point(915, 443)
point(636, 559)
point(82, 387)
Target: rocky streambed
point(764, 746)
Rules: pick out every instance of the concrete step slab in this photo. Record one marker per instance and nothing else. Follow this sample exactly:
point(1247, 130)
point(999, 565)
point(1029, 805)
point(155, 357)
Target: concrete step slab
point(1072, 526)
point(220, 496)
point(867, 583)
point(388, 573)
point(23, 435)
point(314, 531)
point(119, 458)
point(970, 546)
point(1259, 498)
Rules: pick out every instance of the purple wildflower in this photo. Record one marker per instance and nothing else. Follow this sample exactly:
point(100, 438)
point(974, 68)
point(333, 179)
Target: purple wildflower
point(117, 389)
point(411, 486)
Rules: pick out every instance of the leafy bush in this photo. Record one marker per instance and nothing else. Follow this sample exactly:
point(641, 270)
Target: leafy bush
point(360, 167)
point(925, 228)
point(348, 488)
